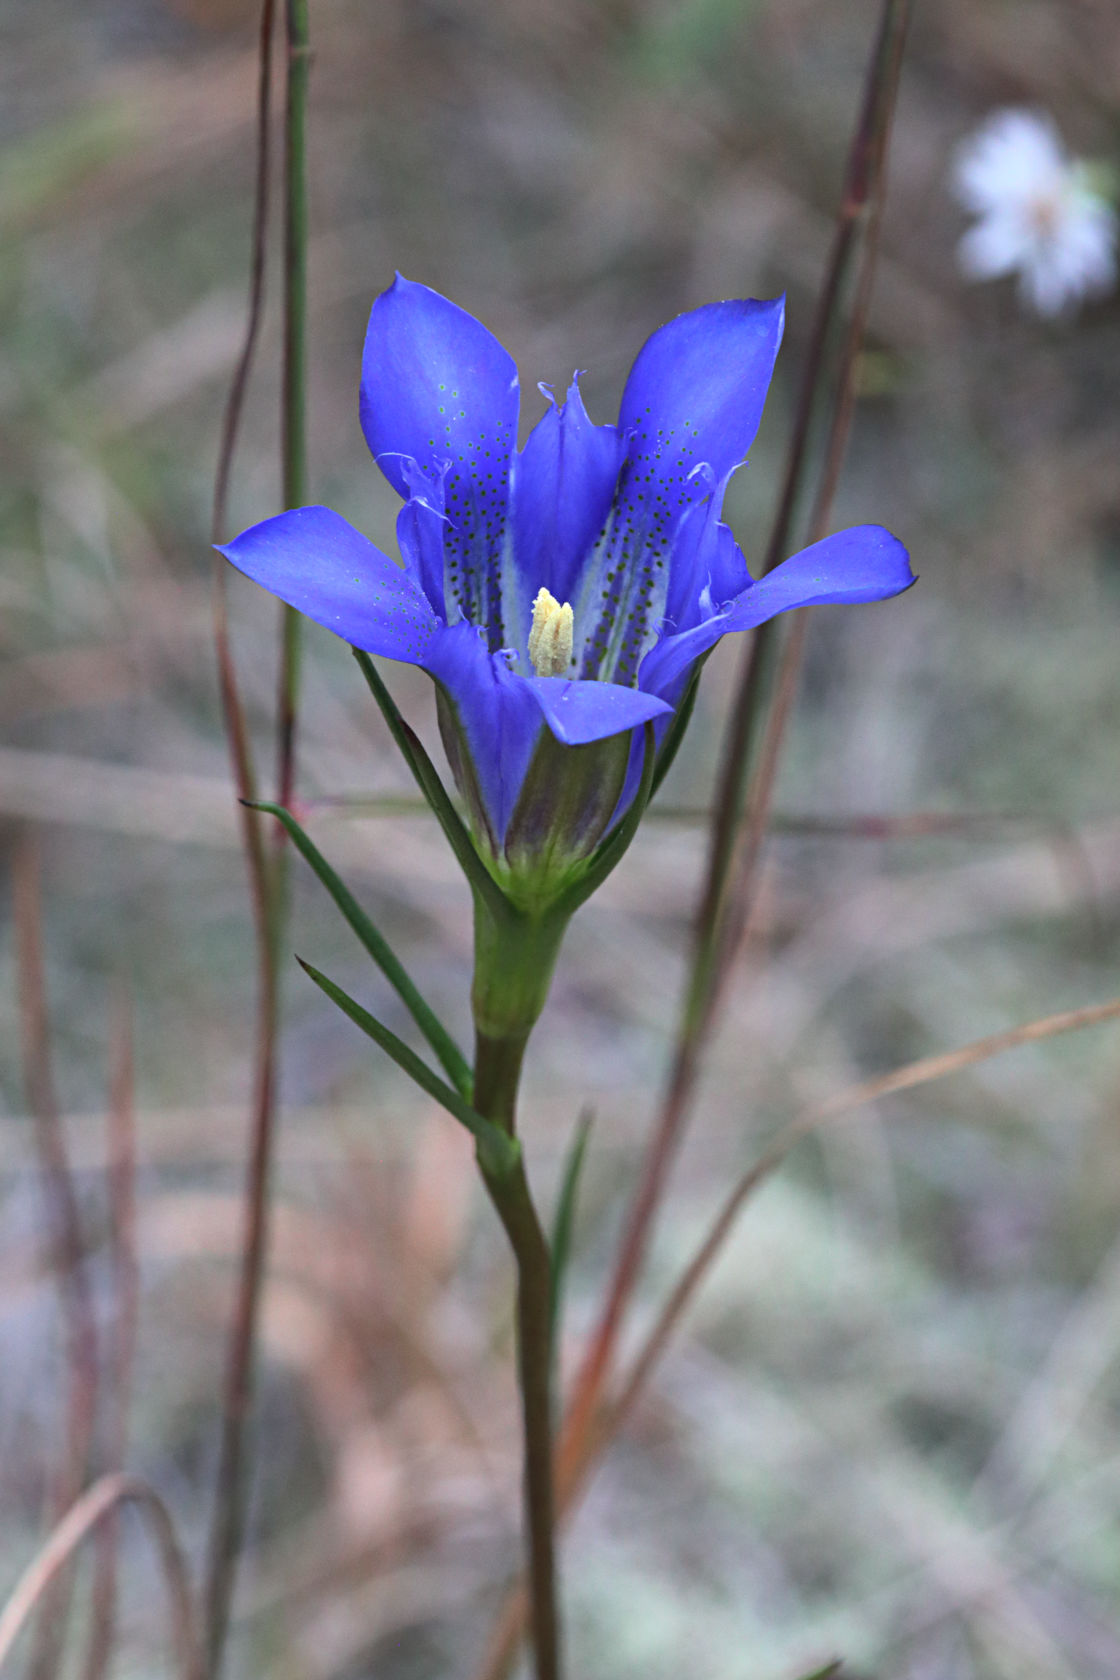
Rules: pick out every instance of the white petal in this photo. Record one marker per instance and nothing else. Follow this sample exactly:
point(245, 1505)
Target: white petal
point(1043, 286)
point(997, 245)
point(1012, 158)
point(1090, 238)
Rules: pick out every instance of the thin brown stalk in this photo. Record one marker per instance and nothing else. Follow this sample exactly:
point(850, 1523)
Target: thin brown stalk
point(225, 1536)
point(269, 877)
point(759, 805)
point(239, 385)
point(862, 193)
point(907, 1078)
point(864, 200)
point(294, 399)
point(237, 1392)
point(122, 1348)
point(64, 1227)
point(737, 858)
point(233, 711)
point(859, 211)
point(97, 1505)
point(608, 1419)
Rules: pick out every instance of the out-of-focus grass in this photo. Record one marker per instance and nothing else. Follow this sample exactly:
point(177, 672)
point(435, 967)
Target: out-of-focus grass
point(892, 1431)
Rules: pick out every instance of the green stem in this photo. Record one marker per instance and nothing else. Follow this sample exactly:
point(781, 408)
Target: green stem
point(497, 1074)
point(514, 956)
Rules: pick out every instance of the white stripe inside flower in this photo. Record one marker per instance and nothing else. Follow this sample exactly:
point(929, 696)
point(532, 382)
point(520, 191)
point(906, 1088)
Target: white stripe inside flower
point(551, 635)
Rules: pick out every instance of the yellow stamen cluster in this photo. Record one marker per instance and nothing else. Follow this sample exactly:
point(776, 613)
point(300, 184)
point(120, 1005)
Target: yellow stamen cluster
point(550, 639)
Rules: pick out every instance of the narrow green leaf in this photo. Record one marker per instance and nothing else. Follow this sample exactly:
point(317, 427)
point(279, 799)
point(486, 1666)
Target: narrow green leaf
point(830, 1671)
point(675, 733)
point(427, 780)
point(499, 1151)
point(451, 1058)
point(561, 1246)
point(607, 856)
point(388, 706)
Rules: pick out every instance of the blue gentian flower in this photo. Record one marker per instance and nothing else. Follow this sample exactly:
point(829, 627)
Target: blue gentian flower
point(561, 593)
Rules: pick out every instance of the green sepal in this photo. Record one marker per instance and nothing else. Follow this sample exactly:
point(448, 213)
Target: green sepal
point(614, 848)
point(563, 810)
point(457, 833)
point(515, 955)
point(564, 1219)
point(830, 1671)
point(427, 780)
point(451, 1058)
point(498, 1153)
point(463, 771)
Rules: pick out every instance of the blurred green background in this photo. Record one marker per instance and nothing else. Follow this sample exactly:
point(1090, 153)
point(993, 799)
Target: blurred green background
point(890, 1432)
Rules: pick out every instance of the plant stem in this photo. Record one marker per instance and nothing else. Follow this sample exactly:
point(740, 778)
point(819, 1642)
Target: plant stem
point(268, 876)
point(497, 1073)
point(294, 417)
point(226, 1521)
point(65, 1235)
point(87, 1514)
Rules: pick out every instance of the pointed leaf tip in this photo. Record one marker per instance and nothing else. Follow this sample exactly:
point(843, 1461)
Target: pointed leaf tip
point(500, 1151)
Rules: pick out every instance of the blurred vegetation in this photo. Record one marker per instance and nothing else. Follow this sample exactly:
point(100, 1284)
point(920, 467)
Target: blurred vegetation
point(891, 1432)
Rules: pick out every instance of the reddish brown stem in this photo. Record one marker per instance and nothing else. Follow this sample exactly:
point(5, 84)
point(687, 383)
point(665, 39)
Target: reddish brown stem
point(269, 878)
point(64, 1227)
point(122, 1347)
point(85, 1516)
point(226, 1530)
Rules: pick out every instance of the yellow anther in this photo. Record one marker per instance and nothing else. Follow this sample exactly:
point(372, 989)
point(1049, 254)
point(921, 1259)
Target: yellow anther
point(550, 639)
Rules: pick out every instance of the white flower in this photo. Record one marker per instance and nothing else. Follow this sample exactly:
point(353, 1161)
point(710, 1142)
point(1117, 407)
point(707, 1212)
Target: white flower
point(1039, 213)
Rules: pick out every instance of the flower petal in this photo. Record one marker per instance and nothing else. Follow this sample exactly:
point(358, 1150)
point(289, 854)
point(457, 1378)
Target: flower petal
point(706, 566)
point(865, 563)
point(1008, 161)
point(421, 529)
point(563, 485)
point(699, 384)
point(994, 246)
point(497, 720)
point(318, 563)
point(438, 387)
point(694, 398)
point(578, 712)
